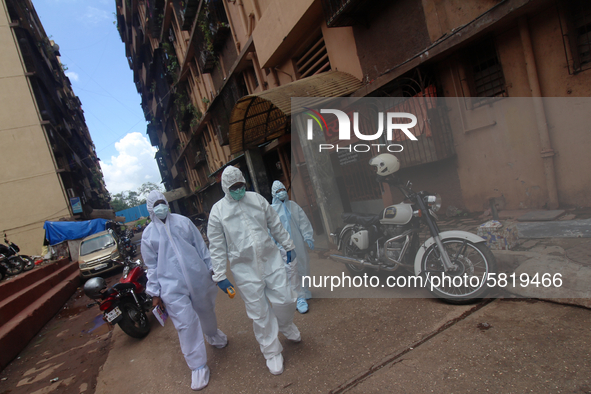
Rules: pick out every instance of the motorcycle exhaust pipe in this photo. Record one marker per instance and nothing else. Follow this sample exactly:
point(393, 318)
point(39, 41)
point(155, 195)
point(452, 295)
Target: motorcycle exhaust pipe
point(350, 260)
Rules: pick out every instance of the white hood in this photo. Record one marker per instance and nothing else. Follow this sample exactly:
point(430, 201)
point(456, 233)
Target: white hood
point(230, 176)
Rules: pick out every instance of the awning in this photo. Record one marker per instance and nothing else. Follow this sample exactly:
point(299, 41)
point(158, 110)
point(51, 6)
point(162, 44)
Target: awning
point(262, 117)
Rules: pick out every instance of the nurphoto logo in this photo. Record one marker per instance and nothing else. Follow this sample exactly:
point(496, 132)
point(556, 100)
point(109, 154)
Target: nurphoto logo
point(390, 119)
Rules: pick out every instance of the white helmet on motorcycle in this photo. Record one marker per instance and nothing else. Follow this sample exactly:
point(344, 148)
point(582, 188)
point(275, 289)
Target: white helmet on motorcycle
point(94, 287)
point(385, 164)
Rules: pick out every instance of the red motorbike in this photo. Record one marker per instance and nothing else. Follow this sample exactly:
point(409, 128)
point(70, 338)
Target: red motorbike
point(125, 303)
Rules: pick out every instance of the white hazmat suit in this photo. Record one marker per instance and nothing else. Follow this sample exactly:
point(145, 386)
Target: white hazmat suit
point(238, 232)
point(179, 272)
point(296, 222)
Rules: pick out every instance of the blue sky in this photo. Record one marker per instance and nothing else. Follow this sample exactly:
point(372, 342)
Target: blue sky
point(91, 49)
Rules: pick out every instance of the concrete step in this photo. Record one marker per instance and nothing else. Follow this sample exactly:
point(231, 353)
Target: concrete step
point(18, 301)
point(13, 285)
point(16, 333)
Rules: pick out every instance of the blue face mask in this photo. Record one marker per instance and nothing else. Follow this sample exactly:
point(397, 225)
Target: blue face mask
point(238, 194)
point(282, 195)
point(161, 211)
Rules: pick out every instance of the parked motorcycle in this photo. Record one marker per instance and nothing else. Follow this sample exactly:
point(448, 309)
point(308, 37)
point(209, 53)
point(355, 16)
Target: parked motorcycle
point(126, 302)
point(17, 263)
point(390, 240)
point(3, 269)
point(128, 249)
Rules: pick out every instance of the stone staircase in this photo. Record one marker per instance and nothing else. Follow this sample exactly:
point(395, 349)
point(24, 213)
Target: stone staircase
point(30, 300)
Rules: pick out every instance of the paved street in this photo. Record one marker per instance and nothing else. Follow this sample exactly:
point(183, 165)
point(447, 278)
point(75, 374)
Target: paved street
point(376, 345)
point(350, 345)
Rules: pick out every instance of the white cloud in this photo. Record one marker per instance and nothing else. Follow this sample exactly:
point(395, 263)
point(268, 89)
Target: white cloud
point(72, 75)
point(134, 165)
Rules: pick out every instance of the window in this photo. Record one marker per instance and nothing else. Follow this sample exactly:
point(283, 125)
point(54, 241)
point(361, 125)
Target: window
point(577, 32)
point(314, 59)
point(485, 74)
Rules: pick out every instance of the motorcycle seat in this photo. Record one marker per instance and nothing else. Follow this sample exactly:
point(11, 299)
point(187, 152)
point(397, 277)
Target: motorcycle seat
point(364, 219)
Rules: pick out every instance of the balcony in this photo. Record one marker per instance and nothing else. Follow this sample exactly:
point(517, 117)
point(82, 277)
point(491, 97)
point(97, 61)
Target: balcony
point(152, 131)
point(206, 61)
point(339, 13)
point(214, 29)
point(188, 14)
point(155, 11)
point(218, 23)
point(198, 159)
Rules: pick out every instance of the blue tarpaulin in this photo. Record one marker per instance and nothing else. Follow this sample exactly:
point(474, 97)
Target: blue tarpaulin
point(57, 232)
point(134, 213)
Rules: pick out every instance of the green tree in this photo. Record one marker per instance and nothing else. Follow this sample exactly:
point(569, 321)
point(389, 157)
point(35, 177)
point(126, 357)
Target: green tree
point(129, 198)
point(119, 202)
point(133, 199)
point(147, 187)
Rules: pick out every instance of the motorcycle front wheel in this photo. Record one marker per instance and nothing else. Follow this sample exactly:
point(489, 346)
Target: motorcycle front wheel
point(468, 283)
point(134, 322)
point(29, 263)
point(15, 265)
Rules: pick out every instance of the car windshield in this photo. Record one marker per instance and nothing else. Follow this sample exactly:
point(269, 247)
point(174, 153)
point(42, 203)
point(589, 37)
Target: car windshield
point(92, 245)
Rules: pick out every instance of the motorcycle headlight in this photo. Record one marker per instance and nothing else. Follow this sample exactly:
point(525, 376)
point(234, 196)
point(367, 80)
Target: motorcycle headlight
point(434, 202)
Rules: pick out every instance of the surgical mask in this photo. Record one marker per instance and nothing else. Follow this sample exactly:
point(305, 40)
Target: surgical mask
point(161, 211)
point(238, 194)
point(282, 195)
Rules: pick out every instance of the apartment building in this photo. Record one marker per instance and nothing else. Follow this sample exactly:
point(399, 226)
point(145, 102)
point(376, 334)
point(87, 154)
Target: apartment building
point(49, 164)
point(217, 76)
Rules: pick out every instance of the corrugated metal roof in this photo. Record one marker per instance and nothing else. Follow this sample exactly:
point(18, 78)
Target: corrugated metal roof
point(264, 116)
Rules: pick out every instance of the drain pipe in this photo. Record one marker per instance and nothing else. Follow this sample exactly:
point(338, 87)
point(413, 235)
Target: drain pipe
point(542, 123)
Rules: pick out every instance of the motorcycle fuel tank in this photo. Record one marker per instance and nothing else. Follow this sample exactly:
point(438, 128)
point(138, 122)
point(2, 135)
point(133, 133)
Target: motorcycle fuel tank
point(397, 214)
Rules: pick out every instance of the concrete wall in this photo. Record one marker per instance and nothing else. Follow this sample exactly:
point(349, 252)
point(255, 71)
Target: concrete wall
point(444, 15)
point(504, 159)
point(342, 50)
point(30, 188)
point(290, 21)
point(397, 31)
point(569, 139)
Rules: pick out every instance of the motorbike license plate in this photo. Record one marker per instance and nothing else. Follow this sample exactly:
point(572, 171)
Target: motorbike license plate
point(115, 313)
point(101, 266)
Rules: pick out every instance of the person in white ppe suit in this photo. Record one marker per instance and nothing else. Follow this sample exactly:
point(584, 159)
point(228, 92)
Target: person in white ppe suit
point(238, 232)
point(298, 226)
point(180, 277)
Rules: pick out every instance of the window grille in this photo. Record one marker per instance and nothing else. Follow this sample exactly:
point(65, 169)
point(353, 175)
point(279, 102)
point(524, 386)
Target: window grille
point(487, 74)
point(578, 27)
point(314, 59)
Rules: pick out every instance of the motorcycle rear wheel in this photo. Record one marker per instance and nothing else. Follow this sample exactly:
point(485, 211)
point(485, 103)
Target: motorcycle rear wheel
point(474, 259)
point(15, 265)
point(347, 251)
point(134, 322)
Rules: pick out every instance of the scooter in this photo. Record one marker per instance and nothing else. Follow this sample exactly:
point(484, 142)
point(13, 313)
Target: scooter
point(455, 263)
point(125, 303)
